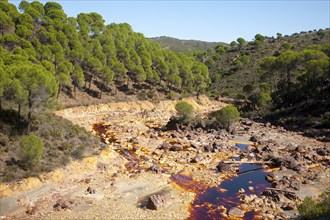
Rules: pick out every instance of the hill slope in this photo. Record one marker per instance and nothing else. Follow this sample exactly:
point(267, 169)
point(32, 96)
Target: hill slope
point(286, 78)
point(185, 46)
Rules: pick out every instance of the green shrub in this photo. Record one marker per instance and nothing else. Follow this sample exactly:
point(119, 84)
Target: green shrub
point(310, 209)
point(263, 99)
point(227, 116)
point(30, 150)
point(172, 95)
point(185, 110)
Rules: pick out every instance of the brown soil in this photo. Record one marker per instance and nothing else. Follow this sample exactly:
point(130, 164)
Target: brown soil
point(127, 178)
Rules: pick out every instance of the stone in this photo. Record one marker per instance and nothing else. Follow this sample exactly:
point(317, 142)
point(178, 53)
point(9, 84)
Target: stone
point(323, 151)
point(301, 149)
point(295, 184)
point(236, 212)
point(155, 202)
point(176, 147)
point(155, 168)
point(197, 159)
point(255, 138)
point(31, 210)
point(241, 191)
point(224, 167)
point(291, 195)
point(294, 165)
point(102, 167)
point(291, 147)
point(90, 190)
point(165, 146)
point(277, 161)
point(62, 204)
point(270, 177)
point(288, 206)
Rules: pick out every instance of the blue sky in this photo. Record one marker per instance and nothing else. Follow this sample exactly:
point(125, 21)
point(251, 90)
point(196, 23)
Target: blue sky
point(219, 21)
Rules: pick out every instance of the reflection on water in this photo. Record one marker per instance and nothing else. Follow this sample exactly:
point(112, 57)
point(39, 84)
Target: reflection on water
point(214, 202)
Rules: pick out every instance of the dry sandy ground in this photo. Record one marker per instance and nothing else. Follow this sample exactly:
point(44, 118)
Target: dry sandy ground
point(119, 193)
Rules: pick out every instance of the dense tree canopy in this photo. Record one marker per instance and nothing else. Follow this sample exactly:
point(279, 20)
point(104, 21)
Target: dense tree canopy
point(41, 40)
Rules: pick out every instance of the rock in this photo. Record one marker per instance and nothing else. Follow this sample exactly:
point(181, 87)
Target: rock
point(62, 204)
point(282, 215)
point(268, 148)
point(291, 147)
point(247, 122)
point(296, 155)
point(236, 212)
point(224, 167)
point(241, 191)
point(288, 206)
point(294, 165)
point(165, 146)
point(157, 201)
point(31, 210)
point(301, 149)
point(102, 166)
point(269, 193)
point(197, 159)
point(176, 147)
point(291, 195)
point(255, 138)
point(278, 161)
point(270, 177)
point(134, 140)
point(155, 168)
point(295, 184)
point(208, 148)
point(323, 151)
point(90, 190)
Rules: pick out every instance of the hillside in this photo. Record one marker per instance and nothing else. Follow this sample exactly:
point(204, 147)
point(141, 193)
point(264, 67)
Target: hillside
point(282, 77)
point(184, 46)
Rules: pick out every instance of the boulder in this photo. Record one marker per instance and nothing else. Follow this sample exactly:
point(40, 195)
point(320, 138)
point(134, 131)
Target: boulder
point(224, 167)
point(236, 212)
point(155, 202)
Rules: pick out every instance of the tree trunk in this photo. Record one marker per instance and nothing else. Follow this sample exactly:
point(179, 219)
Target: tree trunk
point(19, 115)
point(30, 112)
point(74, 92)
point(59, 90)
point(90, 82)
point(0, 108)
